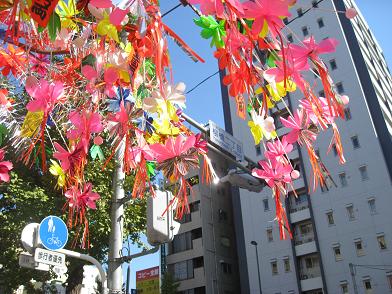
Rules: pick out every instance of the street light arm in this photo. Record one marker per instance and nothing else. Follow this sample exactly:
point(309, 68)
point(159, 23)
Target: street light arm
point(89, 259)
point(133, 256)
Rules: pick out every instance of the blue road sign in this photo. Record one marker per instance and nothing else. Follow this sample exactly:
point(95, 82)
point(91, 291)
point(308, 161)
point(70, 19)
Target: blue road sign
point(53, 233)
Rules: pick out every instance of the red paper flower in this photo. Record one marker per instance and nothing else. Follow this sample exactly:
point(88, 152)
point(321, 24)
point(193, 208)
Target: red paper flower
point(80, 199)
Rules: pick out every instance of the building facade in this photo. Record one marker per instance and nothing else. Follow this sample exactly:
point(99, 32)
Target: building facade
point(342, 239)
point(202, 256)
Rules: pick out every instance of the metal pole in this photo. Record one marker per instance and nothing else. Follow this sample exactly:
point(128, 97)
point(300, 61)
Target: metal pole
point(352, 272)
point(115, 277)
point(258, 268)
point(90, 259)
point(128, 287)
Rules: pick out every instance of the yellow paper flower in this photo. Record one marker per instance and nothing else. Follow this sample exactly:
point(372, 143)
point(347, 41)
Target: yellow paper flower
point(165, 128)
point(66, 11)
point(56, 170)
point(31, 123)
point(261, 127)
point(106, 28)
point(277, 91)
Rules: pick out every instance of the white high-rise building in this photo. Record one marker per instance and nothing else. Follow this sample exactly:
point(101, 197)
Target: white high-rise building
point(342, 236)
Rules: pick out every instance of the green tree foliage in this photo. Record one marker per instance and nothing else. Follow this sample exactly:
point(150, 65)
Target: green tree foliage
point(169, 285)
point(31, 196)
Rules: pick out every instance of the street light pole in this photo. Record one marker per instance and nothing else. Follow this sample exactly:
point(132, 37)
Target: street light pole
point(254, 243)
point(116, 229)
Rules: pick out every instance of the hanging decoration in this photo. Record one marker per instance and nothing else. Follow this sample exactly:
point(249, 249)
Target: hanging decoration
point(99, 73)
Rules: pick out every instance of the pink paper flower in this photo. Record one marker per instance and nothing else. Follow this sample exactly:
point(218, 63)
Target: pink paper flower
point(324, 111)
point(275, 173)
point(5, 167)
point(278, 149)
point(81, 198)
point(45, 95)
point(297, 123)
point(311, 49)
point(85, 124)
point(69, 160)
point(215, 7)
point(266, 11)
point(141, 150)
point(173, 147)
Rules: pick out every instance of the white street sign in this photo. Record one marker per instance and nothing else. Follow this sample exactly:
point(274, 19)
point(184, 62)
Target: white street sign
point(161, 226)
point(29, 237)
point(49, 257)
point(60, 270)
point(27, 260)
point(226, 141)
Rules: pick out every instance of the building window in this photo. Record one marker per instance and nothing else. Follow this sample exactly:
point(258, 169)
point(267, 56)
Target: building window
point(350, 212)
point(258, 150)
point(270, 237)
point(181, 242)
point(332, 64)
point(355, 142)
point(320, 23)
point(364, 173)
point(226, 268)
point(266, 205)
point(274, 267)
point(335, 151)
point(286, 262)
point(186, 218)
point(359, 248)
point(344, 288)
point(183, 270)
point(194, 206)
point(343, 179)
point(222, 215)
point(305, 229)
point(368, 286)
point(300, 12)
point(322, 94)
point(314, 3)
point(372, 206)
point(330, 219)
point(339, 88)
point(389, 277)
point(305, 31)
point(338, 254)
point(309, 262)
point(381, 242)
point(286, 21)
point(225, 241)
point(290, 38)
point(347, 113)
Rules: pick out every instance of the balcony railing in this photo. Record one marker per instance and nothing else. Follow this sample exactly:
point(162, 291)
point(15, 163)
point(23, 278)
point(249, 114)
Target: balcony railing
point(302, 239)
point(310, 274)
point(298, 207)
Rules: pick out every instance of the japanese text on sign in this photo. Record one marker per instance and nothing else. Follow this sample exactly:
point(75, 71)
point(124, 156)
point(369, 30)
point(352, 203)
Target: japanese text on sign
point(41, 10)
point(226, 141)
point(147, 281)
point(49, 257)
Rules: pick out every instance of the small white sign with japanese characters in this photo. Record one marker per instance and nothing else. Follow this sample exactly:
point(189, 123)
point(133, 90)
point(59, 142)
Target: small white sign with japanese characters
point(226, 141)
point(49, 257)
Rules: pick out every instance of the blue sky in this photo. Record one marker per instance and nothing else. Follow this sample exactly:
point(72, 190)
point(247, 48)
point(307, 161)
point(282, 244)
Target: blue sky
point(204, 103)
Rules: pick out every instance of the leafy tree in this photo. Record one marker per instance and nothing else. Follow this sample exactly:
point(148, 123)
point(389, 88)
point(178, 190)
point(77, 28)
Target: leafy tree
point(169, 285)
point(31, 196)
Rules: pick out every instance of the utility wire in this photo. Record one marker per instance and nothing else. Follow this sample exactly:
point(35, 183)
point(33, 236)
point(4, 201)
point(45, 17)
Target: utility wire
point(172, 9)
point(203, 81)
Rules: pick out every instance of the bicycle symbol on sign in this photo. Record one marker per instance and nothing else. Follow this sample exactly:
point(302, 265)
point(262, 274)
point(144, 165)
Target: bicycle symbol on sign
point(54, 241)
